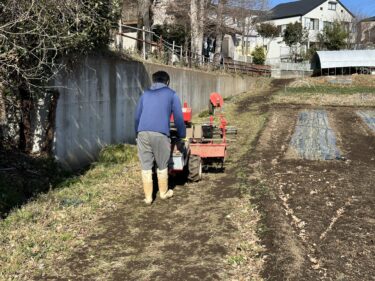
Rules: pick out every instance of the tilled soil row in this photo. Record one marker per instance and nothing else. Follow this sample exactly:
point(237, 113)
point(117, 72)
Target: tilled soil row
point(319, 215)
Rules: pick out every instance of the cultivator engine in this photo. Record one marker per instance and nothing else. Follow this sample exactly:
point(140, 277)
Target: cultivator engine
point(205, 145)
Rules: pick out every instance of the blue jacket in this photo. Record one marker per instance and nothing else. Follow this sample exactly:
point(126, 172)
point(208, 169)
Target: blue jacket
point(154, 110)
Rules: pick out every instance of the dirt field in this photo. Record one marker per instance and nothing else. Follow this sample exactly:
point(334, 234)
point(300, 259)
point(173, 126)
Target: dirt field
point(319, 215)
point(269, 216)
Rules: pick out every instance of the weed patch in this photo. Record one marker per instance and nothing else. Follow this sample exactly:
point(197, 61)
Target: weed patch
point(118, 154)
point(341, 90)
point(236, 260)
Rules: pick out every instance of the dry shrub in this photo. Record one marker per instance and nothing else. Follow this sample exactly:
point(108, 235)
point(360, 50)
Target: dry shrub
point(118, 154)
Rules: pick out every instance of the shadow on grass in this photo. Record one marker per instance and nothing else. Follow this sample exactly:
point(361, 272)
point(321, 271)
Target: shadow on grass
point(23, 177)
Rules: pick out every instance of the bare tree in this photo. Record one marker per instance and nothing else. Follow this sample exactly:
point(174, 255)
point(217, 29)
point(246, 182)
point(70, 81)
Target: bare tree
point(362, 32)
point(197, 17)
point(249, 13)
point(212, 18)
point(38, 38)
point(268, 31)
point(145, 20)
point(220, 27)
point(35, 35)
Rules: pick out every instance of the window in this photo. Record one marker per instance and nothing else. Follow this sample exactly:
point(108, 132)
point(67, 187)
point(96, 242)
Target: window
point(307, 23)
point(315, 24)
point(332, 6)
point(346, 26)
point(327, 24)
point(312, 24)
point(281, 29)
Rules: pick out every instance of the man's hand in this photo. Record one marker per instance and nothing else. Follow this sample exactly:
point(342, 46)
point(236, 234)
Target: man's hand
point(181, 144)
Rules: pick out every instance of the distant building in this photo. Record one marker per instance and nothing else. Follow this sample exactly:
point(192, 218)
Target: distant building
point(366, 31)
point(314, 15)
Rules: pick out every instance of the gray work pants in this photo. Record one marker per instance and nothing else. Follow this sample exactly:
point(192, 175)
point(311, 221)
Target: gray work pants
point(153, 146)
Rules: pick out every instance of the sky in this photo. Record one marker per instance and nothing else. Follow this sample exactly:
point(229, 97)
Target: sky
point(364, 7)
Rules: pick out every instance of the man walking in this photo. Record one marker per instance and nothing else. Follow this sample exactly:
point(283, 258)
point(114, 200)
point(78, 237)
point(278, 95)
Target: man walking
point(152, 125)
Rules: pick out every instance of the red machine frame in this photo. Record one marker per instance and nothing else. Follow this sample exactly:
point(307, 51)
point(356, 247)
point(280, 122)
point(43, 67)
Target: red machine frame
point(206, 144)
point(210, 149)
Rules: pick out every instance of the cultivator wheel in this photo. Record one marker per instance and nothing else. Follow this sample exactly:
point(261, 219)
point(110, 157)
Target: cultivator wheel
point(195, 168)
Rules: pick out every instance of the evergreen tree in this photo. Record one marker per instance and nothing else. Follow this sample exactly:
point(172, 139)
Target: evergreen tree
point(334, 36)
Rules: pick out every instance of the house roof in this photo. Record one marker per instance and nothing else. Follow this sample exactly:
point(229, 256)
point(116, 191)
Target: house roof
point(369, 19)
point(297, 8)
point(346, 58)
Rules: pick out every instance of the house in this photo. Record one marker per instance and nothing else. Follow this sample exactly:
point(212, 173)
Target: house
point(366, 31)
point(314, 15)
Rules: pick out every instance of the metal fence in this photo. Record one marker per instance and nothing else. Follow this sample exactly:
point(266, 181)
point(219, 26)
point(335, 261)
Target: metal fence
point(299, 66)
point(154, 47)
point(246, 68)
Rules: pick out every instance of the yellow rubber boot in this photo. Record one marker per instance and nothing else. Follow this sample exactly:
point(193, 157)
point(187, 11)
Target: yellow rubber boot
point(163, 184)
point(147, 186)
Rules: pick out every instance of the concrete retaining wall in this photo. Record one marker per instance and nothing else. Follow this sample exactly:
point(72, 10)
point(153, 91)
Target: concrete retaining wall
point(291, 70)
point(288, 74)
point(98, 98)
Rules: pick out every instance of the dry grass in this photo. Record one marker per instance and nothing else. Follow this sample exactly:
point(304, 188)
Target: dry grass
point(245, 260)
point(343, 81)
point(357, 100)
point(356, 90)
point(46, 230)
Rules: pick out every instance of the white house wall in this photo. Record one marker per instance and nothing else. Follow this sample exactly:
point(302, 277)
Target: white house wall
point(126, 43)
point(285, 21)
point(326, 15)
point(340, 14)
point(278, 48)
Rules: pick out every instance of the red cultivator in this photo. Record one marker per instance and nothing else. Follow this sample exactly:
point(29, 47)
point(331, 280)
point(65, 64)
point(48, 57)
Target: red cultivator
point(206, 144)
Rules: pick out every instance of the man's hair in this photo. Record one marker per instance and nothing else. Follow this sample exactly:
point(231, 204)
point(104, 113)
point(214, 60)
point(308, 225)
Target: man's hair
point(160, 77)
